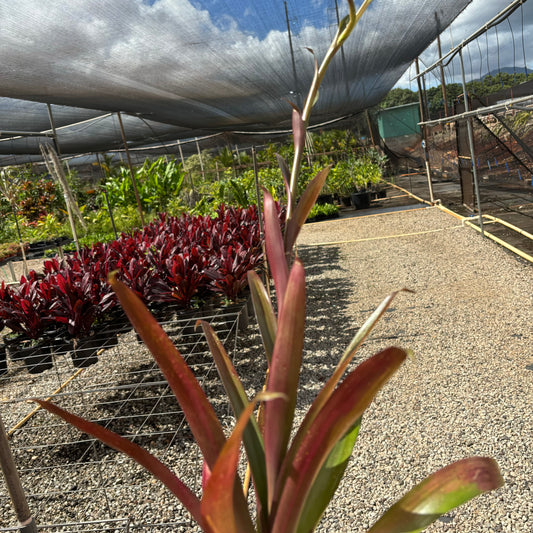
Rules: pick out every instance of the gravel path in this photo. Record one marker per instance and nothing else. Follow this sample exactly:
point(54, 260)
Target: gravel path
point(467, 391)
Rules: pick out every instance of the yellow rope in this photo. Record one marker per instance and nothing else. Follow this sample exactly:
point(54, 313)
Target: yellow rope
point(385, 237)
point(466, 220)
point(19, 424)
point(510, 247)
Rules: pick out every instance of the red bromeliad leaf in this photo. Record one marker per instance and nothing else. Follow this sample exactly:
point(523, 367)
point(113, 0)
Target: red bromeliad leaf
point(336, 418)
point(264, 313)
point(198, 411)
point(285, 172)
point(145, 459)
point(308, 199)
point(284, 374)
point(252, 438)
point(206, 474)
point(454, 485)
point(326, 392)
point(299, 129)
point(328, 480)
point(217, 503)
point(274, 248)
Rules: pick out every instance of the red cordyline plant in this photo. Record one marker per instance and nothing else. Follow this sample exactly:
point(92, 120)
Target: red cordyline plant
point(294, 479)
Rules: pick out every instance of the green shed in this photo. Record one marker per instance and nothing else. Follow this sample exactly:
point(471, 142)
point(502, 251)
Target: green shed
point(399, 120)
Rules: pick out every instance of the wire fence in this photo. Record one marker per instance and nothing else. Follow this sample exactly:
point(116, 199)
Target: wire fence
point(74, 483)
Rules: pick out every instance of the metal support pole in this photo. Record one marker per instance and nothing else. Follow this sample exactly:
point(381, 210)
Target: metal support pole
point(183, 164)
point(133, 180)
point(260, 218)
point(471, 143)
point(291, 48)
point(14, 485)
point(24, 260)
point(424, 134)
point(442, 81)
point(53, 126)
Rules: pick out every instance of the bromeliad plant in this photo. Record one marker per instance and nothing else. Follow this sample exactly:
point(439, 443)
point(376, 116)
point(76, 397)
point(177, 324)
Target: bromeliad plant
point(294, 478)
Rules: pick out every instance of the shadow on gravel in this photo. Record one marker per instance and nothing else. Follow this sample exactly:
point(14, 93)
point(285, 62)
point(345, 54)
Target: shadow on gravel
point(329, 328)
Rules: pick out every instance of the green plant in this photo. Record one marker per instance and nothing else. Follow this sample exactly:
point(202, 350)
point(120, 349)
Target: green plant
point(320, 211)
point(365, 172)
point(294, 479)
point(157, 182)
point(49, 226)
point(340, 179)
point(100, 228)
point(200, 168)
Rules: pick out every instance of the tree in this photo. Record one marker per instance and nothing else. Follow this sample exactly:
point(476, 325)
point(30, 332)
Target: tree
point(398, 96)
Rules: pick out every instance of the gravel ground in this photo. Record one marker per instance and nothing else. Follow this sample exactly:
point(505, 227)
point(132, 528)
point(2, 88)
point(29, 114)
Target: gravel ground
point(467, 391)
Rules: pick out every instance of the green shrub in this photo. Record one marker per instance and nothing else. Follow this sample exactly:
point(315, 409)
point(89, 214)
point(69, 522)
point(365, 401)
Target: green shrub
point(157, 182)
point(323, 211)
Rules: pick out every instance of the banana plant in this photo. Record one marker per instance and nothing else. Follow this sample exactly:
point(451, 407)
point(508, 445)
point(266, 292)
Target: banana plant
point(295, 470)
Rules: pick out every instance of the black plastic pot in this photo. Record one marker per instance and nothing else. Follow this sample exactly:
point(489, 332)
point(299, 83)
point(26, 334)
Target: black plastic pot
point(324, 199)
point(346, 201)
point(85, 351)
point(3, 359)
point(57, 343)
point(36, 355)
point(163, 311)
point(361, 200)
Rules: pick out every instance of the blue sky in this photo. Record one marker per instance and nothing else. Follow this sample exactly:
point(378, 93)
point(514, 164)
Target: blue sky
point(259, 18)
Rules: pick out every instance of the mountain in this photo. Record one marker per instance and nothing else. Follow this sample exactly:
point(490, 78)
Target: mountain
point(508, 70)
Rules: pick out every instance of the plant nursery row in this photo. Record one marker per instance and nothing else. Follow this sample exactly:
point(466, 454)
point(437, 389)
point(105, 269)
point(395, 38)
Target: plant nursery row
point(172, 263)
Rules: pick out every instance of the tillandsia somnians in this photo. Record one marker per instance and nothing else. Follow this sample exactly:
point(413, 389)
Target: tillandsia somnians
point(294, 479)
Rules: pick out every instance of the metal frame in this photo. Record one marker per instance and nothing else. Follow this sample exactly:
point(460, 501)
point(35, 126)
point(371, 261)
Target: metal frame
point(126, 392)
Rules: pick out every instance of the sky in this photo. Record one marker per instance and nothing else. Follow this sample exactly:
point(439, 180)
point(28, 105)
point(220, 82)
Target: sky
point(207, 64)
point(502, 51)
point(199, 54)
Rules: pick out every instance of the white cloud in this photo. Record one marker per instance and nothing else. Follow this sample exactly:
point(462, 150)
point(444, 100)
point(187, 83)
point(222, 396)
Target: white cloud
point(171, 58)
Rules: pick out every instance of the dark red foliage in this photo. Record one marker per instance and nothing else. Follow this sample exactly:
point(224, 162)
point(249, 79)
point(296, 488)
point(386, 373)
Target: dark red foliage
point(26, 309)
point(172, 259)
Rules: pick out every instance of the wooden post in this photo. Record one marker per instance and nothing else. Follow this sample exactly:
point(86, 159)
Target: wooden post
point(370, 129)
point(200, 157)
point(133, 180)
point(183, 164)
point(424, 133)
point(14, 485)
